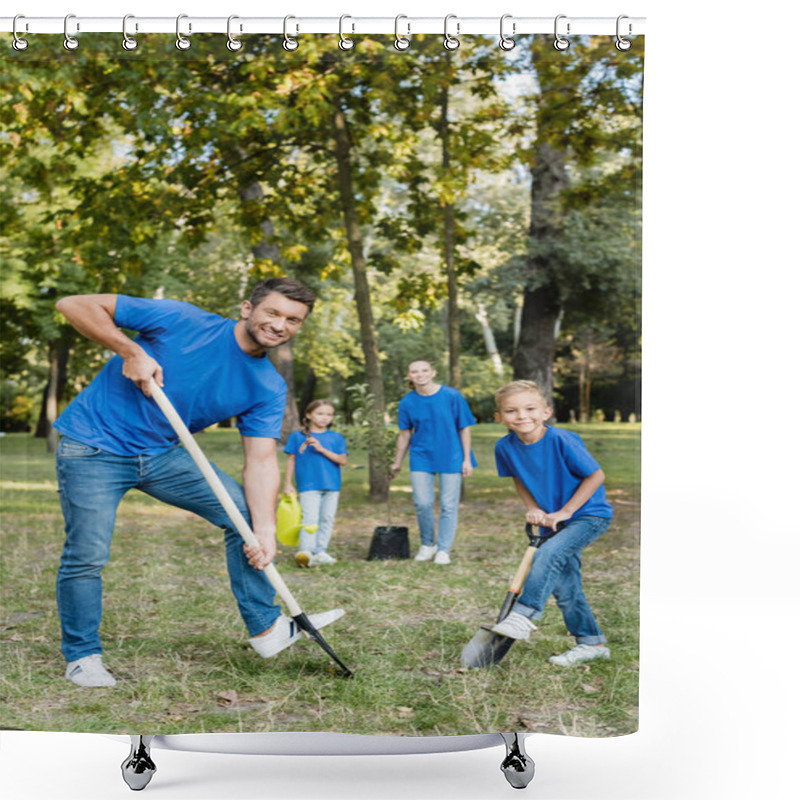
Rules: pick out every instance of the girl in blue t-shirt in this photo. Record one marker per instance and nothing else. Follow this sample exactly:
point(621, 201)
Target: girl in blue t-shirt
point(434, 422)
point(315, 457)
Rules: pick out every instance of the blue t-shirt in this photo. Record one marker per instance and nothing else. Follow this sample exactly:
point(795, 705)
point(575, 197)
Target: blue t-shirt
point(314, 471)
point(207, 377)
point(435, 420)
point(551, 470)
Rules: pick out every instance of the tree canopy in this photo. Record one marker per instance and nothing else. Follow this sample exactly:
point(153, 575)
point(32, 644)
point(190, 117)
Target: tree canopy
point(477, 208)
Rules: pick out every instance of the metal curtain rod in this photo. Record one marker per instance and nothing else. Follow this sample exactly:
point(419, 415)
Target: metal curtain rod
point(575, 26)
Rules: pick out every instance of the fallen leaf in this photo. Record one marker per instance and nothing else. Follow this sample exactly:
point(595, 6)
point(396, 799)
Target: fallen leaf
point(228, 697)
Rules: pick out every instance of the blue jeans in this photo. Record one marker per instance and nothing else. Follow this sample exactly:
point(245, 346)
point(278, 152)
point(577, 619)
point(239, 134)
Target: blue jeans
point(319, 508)
point(556, 570)
point(91, 484)
point(423, 486)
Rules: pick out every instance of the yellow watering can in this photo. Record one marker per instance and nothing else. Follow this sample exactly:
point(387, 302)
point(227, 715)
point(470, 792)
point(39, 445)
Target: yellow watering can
point(290, 520)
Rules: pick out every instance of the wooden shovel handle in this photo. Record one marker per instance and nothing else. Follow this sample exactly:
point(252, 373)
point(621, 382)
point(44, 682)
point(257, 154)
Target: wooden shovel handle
point(523, 570)
point(221, 492)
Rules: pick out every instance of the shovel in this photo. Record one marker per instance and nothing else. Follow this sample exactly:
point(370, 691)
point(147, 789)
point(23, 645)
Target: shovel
point(188, 441)
point(487, 647)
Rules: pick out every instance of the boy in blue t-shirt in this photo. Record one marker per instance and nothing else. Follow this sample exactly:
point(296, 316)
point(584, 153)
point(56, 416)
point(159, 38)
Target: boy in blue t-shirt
point(558, 481)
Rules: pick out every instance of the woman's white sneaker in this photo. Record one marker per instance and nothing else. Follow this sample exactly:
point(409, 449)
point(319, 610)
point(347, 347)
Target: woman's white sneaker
point(442, 557)
point(425, 553)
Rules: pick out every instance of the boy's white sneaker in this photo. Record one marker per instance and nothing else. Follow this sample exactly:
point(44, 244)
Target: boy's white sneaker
point(515, 626)
point(579, 654)
point(425, 553)
point(287, 632)
point(321, 558)
point(441, 557)
point(89, 672)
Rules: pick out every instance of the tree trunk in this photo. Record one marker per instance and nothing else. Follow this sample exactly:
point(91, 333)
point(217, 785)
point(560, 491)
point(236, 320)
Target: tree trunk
point(541, 310)
point(58, 356)
point(533, 360)
point(282, 357)
point(378, 470)
point(583, 392)
point(453, 311)
point(488, 338)
point(307, 391)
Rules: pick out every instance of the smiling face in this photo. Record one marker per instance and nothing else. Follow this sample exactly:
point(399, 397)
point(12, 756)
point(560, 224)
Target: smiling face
point(421, 374)
point(275, 320)
point(524, 413)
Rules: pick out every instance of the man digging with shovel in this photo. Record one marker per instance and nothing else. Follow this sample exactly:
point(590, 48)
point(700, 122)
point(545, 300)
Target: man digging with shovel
point(114, 438)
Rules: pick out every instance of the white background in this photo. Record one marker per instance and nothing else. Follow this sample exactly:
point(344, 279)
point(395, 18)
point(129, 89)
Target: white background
point(720, 604)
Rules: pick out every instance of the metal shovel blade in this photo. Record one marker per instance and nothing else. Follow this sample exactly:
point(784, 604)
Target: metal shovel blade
point(305, 624)
point(485, 649)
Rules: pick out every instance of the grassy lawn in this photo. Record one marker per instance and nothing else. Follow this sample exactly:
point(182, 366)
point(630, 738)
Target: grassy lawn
point(173, 637)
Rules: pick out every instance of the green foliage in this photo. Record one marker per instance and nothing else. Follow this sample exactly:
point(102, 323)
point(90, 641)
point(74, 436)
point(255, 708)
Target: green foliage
point(370, 430)
point(132, 172)
point(479, 382)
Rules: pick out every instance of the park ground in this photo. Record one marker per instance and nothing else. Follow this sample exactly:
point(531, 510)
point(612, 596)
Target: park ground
point(173, 637)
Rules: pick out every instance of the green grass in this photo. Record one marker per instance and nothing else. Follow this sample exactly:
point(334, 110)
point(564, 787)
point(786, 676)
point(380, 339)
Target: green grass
point(173, 636)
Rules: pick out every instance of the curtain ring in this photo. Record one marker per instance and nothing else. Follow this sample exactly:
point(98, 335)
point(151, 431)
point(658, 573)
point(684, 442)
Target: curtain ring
point(233, 44)
point(621, 43)
point(181, 42)
point(506, 42)
point(128, 43)
point(401, 43)
point(18, 44)
point(451, 42)
point(560, 43)
point(345, 42)
point(70, 42)
point(289, 43)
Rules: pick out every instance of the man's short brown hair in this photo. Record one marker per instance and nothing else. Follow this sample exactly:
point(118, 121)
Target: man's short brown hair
point(288, 287)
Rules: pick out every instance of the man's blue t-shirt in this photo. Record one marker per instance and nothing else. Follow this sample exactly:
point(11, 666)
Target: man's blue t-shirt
point(551, 470)
point(435, 420)
point(314, 471)
point(207, 376)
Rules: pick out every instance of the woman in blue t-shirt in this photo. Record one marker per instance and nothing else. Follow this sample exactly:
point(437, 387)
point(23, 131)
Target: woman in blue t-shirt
point(316, 456)
point(434, 423)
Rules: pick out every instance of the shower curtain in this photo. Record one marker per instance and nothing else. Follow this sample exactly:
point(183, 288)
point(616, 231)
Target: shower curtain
point(475, 208)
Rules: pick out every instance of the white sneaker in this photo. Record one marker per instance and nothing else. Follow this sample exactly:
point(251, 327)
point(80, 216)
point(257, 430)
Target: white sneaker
point(89, 671)
point(442, 557)
point(583, 652)
point(286, 632)
point(515, 626)
point(426, 553)
point(321, 558)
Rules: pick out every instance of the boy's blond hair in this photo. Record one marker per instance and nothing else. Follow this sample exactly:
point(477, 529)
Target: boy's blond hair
point(516, 387)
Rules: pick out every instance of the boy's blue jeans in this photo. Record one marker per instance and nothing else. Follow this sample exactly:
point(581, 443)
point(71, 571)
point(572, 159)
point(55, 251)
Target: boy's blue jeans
point(423, 486)
point(319, 508)
point(91, 485)
point(556, 570)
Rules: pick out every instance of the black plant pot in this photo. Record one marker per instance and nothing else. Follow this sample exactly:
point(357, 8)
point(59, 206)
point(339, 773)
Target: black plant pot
point(389, 541)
